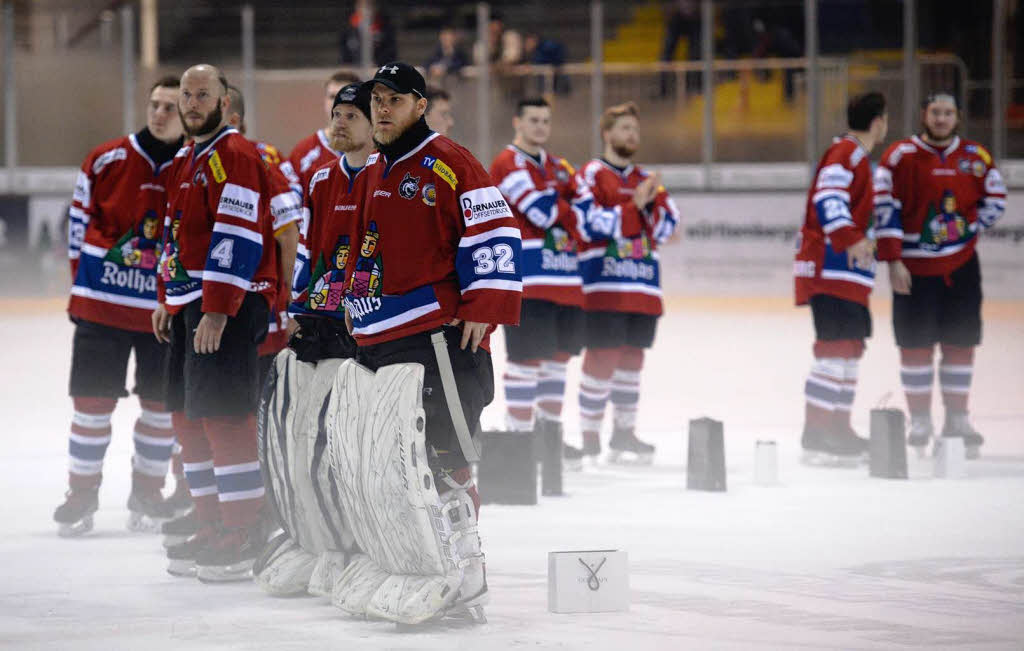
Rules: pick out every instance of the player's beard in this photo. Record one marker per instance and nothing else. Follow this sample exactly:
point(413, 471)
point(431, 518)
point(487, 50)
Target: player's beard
point(623, 150)
point(398, 130)
point(345, 143)
point(935, 138)
point(211, 123)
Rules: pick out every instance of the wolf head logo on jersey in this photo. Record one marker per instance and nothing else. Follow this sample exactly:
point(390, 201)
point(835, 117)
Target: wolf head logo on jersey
point(409, 186)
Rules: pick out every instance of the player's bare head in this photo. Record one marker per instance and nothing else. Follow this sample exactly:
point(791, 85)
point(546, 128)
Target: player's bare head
point(236, 108)
point(397, 101)
point(868, 113)
point(333, 84)
point(204, 99)
point(532, 121)
point(439, 110)
point(162, 117)
point(620, 129)
point(940, 116)
point(350, 129)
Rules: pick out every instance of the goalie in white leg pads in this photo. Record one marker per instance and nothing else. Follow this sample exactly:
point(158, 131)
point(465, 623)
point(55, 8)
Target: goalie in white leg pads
point(292, 448)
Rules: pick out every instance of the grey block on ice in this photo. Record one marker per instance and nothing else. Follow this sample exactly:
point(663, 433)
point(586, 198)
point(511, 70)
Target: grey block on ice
point(705, 463)
point(507, 471)
point(888, 445)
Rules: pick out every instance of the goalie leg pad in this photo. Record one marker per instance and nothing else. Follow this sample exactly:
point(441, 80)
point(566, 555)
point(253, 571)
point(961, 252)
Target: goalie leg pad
point(357, 584)
point(328, 569)
point(378, 454)
point(284, 568)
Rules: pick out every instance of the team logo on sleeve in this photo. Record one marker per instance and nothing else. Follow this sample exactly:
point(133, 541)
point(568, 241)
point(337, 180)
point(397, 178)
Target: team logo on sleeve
point(217, 168)
point(409, 186)
point(429, 194)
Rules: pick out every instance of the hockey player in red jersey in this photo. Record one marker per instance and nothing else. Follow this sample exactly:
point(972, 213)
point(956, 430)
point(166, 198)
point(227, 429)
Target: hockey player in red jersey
point(434, 266)
point(834, 273)
point(315, 150)
point(218, 279)
point(625, 215)
point(935, 193)
point(113, 245)
point(286, 211)
point(539, 187)
point(332, 203)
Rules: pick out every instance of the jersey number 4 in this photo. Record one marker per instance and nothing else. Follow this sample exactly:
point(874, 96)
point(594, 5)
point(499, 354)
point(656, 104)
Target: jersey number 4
point(489, 258)
point(223, 253)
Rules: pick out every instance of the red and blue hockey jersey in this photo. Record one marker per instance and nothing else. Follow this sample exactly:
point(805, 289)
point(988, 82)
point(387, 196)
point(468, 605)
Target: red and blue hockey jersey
point(436, 241)
point(539, 194)
point(310, 154)
point(218, 234)
point(332, 212)
point(837, 215)
point(931, 204)
point(114, 231)
point(619, 242)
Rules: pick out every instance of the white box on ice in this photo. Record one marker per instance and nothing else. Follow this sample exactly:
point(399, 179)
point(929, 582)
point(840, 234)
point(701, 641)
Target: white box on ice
point(588, 581)
point(950, 458)
point(766, 463)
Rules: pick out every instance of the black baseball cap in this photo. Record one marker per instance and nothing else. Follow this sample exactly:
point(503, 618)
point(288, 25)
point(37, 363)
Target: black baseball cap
point(399, 77)
point(355, 95)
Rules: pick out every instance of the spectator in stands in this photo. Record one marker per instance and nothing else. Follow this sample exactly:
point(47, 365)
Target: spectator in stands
point(776, 40)
point(448, 59)
point(382, 33)
point(682, 21)
point(546, 52)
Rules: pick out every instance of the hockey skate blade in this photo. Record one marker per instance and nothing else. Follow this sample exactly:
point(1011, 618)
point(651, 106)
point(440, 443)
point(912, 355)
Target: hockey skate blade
point(75, 529)
point(142, 523)
point(818, 459)
point(624, 458)
point(185, 569)
point(241, 571)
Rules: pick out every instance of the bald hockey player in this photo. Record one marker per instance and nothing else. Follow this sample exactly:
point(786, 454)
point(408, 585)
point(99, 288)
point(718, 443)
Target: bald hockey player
point(627, 215)
point(218, 280)
point(113, 245)
point(834, 273)
point(936, 193)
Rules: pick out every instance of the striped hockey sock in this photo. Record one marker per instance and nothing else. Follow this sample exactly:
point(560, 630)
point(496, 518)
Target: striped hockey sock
point(154, 441)
point(626, 387)
point(823, 391)
point(197, 463)
point(595, 387)
point(87, 444)
point(917, 373)
point(847, 392)
point(551, 387)
point(955, 372)
point(236, 468)
point(520, 393)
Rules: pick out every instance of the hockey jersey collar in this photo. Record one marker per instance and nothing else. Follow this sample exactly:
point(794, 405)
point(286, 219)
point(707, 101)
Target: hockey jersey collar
point(945, 152)
point(529, 157)
point(137, 146)
point(624, 172)
point(206, 147)
point(414, 131)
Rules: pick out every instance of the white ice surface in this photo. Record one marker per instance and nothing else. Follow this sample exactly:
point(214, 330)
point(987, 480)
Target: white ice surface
point(828, 559)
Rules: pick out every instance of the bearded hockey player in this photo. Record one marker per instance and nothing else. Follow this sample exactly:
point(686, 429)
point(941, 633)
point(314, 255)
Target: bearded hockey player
point(539, 187)
point(315, 150)
point(626, 215)
point(218, 279)
point(935, 193)
point(113, 241)
point(834, 273)
point(434, 265)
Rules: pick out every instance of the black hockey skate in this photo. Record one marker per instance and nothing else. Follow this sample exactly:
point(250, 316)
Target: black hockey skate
point(920, 433)
point(181, 559)
point(231, 555)
point(572, 457)
point(74, 516)
point(147, 511)
point(626, 448)
point(180, 500)
point(833, 448)
point(957, 425)
point(179, 529)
